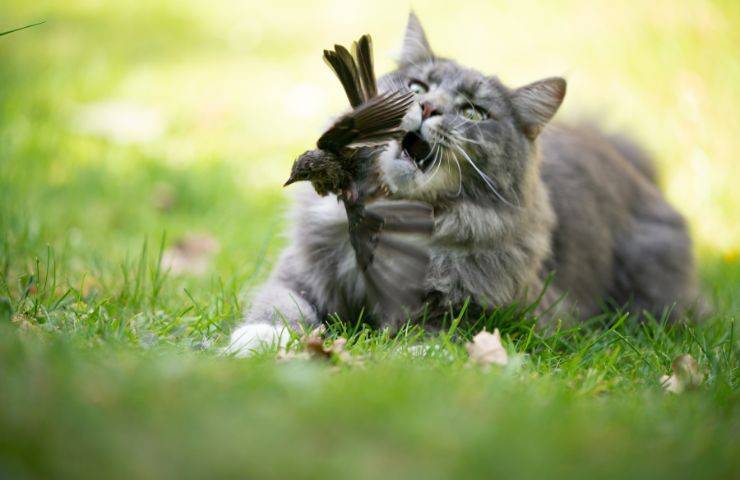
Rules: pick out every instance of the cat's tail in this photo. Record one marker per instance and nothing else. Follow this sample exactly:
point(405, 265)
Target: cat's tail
point(634, 154)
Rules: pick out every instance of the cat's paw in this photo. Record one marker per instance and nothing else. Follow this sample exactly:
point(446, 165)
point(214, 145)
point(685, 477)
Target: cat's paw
point(253, 337)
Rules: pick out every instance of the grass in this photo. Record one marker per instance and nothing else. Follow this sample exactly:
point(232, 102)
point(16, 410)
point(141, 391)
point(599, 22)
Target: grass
point(110, 365)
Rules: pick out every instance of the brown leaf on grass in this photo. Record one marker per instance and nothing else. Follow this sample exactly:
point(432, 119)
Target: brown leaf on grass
point(312, 347)
point(313, 343)
point(487, 349)
point(191, 254)
point(686, 375)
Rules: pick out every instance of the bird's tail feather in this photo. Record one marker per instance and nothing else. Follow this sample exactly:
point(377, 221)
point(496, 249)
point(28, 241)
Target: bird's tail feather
point(363, 49)
point(345, 68)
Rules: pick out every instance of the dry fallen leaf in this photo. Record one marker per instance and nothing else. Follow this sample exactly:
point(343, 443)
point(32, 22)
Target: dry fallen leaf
point(192, 254)
point(313, 343)
point(686, 375)
point(312, 346)
point(486, 349)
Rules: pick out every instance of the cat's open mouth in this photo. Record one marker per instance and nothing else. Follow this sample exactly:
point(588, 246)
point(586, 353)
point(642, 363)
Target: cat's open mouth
point(417, 150)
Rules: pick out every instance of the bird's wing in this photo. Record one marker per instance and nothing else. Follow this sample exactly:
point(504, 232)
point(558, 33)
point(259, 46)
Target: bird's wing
point(345, 68)
point(377, 120)
point(391, 242)
point(363, 49)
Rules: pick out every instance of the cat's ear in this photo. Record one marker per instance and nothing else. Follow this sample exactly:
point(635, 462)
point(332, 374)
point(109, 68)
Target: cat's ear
point(415, 47)
point(535, 104)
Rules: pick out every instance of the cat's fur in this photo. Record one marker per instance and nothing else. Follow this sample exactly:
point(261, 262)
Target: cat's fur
point(514, 202)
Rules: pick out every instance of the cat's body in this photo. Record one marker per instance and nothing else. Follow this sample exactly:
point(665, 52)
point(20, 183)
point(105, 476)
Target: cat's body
point(513, 203)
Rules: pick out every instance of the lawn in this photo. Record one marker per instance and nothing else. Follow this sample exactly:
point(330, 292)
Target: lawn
point(137, 136)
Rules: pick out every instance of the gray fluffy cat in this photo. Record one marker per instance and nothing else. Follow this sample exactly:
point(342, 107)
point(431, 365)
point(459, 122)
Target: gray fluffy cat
point(514, 202)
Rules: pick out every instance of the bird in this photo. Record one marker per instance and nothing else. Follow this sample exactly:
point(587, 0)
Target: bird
point(344, 150)
point(390, 237)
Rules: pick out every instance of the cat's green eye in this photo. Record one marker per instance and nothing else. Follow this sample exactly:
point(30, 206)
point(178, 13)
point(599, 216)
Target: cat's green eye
point(418, 87)
point(474, 114)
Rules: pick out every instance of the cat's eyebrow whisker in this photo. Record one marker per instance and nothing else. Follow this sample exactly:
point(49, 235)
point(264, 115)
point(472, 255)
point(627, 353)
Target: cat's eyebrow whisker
point(463, 120)
point(466, 98)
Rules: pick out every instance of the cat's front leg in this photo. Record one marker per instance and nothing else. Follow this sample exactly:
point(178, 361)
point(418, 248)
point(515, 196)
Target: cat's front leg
point(276, 308)
point(301, 283)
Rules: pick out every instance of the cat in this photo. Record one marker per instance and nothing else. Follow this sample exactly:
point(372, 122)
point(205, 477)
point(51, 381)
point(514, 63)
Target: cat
point(516, 200)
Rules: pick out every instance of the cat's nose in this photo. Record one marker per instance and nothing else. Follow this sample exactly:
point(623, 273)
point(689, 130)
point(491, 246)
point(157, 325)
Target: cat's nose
point(428, 110)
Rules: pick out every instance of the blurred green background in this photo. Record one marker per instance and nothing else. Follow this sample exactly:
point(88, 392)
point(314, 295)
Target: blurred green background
point(148, 123)
point(109, 101)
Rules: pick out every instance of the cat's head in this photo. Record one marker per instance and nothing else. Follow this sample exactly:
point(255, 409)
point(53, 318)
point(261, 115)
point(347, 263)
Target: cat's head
point(470, 136)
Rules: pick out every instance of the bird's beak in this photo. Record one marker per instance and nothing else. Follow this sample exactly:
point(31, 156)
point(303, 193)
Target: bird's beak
point(290, 180)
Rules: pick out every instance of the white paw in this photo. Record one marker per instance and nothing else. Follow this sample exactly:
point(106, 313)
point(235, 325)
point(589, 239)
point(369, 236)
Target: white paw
point(252, 337)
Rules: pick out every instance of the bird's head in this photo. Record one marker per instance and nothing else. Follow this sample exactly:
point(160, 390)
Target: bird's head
point(304, 168)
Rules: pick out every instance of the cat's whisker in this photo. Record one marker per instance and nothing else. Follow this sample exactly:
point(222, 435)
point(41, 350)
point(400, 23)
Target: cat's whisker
point(486, 179)
point(449, 156)
point(447, 144)
point(458, 136)
point(459, 172)
point(454, 132)
point(431, 152)
point(465, 97)
point(429, 178)
point(463, 120)
point(437, 161)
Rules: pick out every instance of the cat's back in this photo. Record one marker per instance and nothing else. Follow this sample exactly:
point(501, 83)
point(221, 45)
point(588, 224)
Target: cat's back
point(611, 217)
